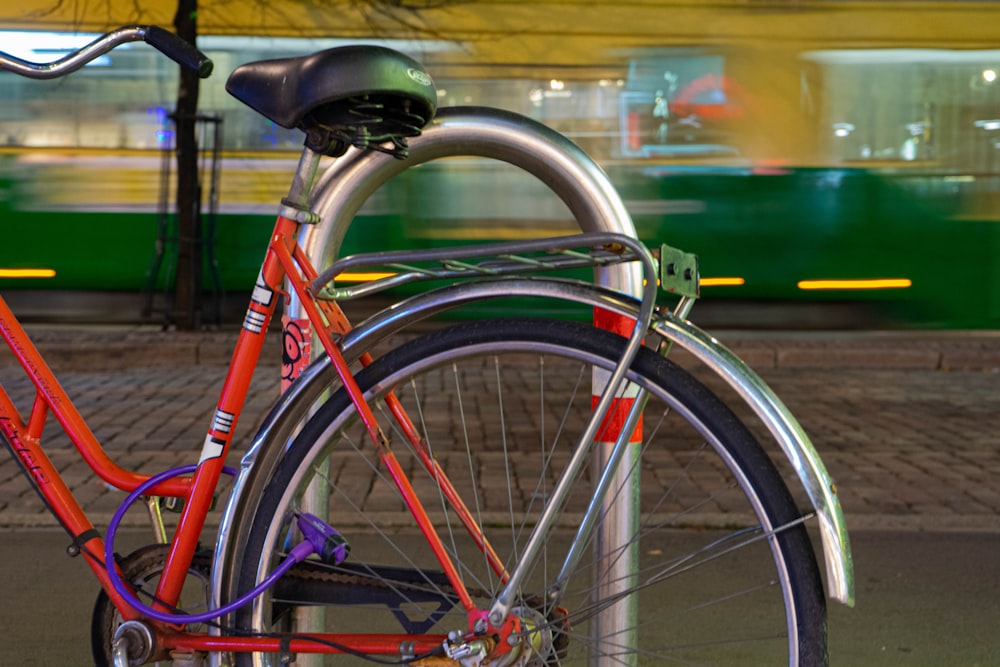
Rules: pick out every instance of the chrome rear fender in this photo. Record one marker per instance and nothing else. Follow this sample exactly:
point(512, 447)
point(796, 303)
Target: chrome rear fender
point(295, 405)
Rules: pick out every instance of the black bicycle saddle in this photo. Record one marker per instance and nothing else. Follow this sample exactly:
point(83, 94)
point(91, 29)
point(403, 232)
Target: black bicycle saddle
point(368, 90)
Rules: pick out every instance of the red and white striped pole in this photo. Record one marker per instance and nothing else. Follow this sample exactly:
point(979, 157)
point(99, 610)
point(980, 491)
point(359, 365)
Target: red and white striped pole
point(616, 548)
point(564, 168)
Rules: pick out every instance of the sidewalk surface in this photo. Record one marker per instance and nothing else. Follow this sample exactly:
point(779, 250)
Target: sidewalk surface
point(907, 423)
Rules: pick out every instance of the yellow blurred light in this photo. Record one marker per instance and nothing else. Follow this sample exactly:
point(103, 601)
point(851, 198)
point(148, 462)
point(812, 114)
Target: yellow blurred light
point(721, 282)
point(362, 276)
point(876, 283)
point(27, 273)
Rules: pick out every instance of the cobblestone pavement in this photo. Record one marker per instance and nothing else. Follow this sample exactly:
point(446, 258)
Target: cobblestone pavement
point(907, 425)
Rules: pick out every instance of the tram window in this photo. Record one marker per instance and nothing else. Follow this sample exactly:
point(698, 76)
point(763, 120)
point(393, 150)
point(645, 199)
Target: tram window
point(679, 104)
point(918, 107)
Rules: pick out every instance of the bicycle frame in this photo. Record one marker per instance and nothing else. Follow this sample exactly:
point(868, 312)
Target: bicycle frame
point(25, 437)
point(158, 631)
point(284, 259)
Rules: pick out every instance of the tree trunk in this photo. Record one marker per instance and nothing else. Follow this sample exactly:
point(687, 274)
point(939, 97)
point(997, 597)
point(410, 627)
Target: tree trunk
point(188, 292)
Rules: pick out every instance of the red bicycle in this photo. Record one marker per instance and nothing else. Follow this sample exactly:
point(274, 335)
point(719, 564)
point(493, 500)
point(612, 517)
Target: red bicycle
point(452, 501)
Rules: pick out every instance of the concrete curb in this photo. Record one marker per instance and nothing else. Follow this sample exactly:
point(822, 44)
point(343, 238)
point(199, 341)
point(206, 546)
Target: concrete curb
point(928, 523)
point(105, 348)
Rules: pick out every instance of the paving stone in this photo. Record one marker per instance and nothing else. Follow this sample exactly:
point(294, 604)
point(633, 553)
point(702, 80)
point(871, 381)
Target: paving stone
point(906, 425)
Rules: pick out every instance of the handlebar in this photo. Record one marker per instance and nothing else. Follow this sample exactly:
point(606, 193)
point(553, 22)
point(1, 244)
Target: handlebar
point(164, 41)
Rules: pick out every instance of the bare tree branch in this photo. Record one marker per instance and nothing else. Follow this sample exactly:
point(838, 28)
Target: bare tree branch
point(383, 18)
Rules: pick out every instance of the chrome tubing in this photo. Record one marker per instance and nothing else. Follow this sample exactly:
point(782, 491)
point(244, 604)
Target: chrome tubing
point(779, 421)
point(572, 175)
point(75, 60)
point(461, 131)
point(480, 132)
point(261, 458)
point(615, 385)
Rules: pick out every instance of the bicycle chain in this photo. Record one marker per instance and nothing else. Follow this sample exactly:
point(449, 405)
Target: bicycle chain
point(314, 572)
point(557, 617)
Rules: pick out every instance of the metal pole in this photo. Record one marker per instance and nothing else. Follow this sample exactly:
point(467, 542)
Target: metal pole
point(590, 196)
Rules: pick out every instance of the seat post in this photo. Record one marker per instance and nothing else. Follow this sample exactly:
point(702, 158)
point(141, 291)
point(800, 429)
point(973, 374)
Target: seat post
point(301, 187)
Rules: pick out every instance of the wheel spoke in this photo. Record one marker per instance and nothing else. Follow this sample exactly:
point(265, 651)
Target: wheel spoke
point(719, 564)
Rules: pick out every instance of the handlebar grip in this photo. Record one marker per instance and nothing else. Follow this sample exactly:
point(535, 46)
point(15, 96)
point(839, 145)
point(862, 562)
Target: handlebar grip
point(179, 50)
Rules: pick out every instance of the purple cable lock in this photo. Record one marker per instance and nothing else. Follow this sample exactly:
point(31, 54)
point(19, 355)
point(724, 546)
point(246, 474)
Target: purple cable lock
point(320, 538)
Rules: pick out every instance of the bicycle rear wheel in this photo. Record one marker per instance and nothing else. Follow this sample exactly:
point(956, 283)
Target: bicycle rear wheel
point(723, 571)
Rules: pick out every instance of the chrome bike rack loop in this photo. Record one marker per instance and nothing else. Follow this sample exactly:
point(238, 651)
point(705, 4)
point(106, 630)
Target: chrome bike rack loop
point(595, 204)
point(477, 132)
point(559, 164)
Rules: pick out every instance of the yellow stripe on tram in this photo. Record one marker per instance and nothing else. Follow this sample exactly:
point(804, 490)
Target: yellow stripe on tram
point(874, 283)
point(27, 273)
point(363, 276)
point(722, 282)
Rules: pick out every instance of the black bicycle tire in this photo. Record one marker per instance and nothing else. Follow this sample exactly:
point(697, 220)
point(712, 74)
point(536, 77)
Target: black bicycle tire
point(799, 559)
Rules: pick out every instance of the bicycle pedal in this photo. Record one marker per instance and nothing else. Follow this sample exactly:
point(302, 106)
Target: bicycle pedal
point(176, 505)
point(171, 504)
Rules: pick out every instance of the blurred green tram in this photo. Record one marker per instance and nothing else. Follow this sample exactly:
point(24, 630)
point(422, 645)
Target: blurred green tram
point(822, 188)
